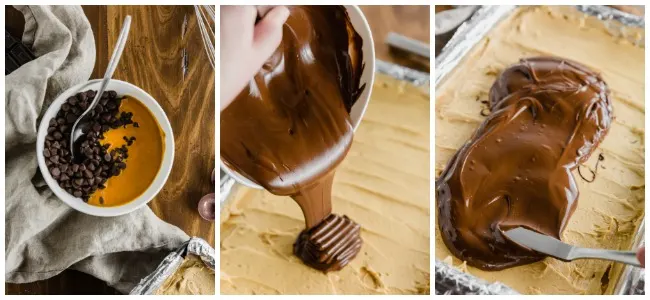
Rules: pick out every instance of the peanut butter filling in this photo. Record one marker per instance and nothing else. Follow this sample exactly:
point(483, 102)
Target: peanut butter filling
point(611, 207)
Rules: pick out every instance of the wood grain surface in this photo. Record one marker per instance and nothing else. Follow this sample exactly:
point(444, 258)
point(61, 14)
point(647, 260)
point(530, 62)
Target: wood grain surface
point(412, 21)
point(152, 60)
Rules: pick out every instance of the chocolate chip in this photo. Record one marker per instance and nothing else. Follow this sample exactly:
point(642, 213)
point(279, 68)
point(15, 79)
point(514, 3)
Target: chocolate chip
point(71, 118)
point(98, 162)
point(101, 200)
point(136, 125)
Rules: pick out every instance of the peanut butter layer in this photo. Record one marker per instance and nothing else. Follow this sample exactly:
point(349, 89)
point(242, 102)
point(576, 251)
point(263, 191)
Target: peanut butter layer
point(192, 277)
point(383, 183)
point(611, 207)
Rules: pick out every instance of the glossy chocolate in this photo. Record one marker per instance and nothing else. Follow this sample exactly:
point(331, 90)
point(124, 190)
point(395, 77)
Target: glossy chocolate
point(330, 245)
point(547, 115)
point(290, 127)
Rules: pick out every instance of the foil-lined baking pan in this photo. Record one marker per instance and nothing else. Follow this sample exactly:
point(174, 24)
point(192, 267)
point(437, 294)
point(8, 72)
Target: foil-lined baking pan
point(449, 280)
point(227, 184)
point(195, 246)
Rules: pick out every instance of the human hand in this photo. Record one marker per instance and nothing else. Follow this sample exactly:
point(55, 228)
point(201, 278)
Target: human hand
point(640, 255)
point(245, 46)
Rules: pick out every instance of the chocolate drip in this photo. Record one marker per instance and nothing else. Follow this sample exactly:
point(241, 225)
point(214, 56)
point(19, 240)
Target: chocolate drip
point(291, 127)
point(547, 116)
point(331, 245)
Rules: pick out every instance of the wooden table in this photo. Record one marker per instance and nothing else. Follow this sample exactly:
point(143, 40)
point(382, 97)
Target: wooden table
point(409, 20)
point(153, 60)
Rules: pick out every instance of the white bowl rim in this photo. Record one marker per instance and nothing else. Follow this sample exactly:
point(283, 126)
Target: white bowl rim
point(359, 21)
point(161, 176)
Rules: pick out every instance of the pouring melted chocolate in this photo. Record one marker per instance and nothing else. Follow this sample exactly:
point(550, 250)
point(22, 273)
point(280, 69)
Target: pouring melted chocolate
point(290, 127)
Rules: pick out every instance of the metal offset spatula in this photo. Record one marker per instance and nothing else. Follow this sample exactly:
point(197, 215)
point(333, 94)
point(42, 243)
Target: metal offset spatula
point(565, 252)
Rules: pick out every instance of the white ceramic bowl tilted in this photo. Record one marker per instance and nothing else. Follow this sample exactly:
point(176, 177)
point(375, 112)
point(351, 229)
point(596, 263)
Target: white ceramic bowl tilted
point(360, 24)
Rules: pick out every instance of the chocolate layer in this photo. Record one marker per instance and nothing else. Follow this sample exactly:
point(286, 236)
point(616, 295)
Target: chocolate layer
point(547, 116)
point(331, 245)
point(290, 128)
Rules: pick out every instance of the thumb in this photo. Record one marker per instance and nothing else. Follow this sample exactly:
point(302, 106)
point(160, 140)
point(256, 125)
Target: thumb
point(641, 256)
point(268, 32)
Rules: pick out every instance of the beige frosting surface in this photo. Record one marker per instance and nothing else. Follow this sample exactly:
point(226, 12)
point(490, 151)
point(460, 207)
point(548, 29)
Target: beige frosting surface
point(192, 277)
point(611, 207)
point(383, 184)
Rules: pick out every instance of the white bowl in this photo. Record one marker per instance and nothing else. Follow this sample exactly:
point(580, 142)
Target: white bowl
point(122, 88)
point(360, 24)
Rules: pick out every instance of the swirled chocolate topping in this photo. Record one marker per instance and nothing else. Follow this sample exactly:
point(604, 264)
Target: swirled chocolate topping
point(290, 128)
point(547, 116)
point(330, 245)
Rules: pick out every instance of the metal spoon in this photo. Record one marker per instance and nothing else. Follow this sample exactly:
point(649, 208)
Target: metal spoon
point(81, 126)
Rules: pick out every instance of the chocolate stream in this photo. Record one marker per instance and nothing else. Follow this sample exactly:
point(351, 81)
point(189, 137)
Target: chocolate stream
point(290, 127)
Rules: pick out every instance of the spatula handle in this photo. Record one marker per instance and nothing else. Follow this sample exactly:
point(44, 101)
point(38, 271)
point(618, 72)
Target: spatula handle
point(626, 257)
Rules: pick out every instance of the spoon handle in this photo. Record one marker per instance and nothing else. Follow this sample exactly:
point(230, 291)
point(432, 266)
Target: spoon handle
point(112, 65)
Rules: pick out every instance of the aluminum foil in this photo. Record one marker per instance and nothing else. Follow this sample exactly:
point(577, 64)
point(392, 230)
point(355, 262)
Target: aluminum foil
point(196, 246)
point(449, 280)
point(228, 185)
point(452, 281)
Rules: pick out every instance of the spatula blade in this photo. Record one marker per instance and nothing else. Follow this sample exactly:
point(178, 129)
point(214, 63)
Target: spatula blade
point(540, 243)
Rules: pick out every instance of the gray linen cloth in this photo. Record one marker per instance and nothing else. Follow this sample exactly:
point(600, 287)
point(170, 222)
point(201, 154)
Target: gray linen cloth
point(44, 236)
